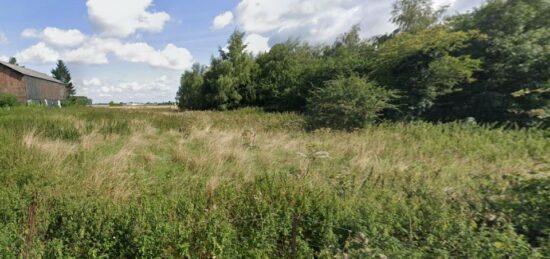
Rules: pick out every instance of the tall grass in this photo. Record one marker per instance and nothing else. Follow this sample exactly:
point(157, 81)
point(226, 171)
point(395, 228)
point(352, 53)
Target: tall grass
point(83, 182)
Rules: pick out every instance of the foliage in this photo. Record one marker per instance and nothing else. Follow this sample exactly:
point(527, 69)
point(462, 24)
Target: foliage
point(413, 16)
point(228, 81)
point(527, 206)
point(8, 100)
point(62, 73)
point(284, 76)
point(13, 61)
point(115, 104)
point(423, 67)
point(76, 101)
point(346, 104)
point(189, 96)
point(514, 81)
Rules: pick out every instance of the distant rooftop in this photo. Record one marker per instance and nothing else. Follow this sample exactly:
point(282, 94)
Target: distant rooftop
point(29, 72)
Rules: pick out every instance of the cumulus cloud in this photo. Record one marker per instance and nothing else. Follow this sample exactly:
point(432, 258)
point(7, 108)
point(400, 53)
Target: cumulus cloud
point(4, 58)
point(89, 54)
point(122, 18)
point(256, 43)
point(321, 21)
point(92, 82)
point(56, 37)
point(170, 57)
point(161, 88)
point(96, 51)
point(222, 20)
point(39, 53)
point(3, 38)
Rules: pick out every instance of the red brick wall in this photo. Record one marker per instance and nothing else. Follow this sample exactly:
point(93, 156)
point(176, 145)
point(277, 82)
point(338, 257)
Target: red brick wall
point(11, 82)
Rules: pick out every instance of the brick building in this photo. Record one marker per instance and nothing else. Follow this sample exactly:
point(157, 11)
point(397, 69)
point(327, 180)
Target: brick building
point(31, 86)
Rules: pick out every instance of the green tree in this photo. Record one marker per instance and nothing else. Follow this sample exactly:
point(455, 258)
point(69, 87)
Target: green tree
point(514, 84)
point(415, 15)
point(219, 88)
point(13, 61)
point(346, 104)
point(348, 56)
point(229, 79)
point(189, 95)
point(423, 67)
point(62, 73)
point(290, 70)
point(243, 67)
point(284, 76)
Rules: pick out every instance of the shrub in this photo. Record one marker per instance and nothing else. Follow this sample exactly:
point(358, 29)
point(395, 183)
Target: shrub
point(76, 101)
point(346, 104)
point(8, 100)
point(113, 104)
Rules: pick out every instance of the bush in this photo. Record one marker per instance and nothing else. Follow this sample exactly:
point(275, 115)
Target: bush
point(113, 104)
point(346, 104)
point(76, 101)
point(8, 100)
point(527, 205)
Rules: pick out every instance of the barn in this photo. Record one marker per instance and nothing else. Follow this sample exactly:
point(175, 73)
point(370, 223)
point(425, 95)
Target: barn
point(31, 86)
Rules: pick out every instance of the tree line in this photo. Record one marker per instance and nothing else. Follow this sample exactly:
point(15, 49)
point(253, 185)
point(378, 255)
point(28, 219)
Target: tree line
point(491, 64)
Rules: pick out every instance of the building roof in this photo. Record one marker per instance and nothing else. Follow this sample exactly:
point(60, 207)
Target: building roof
point(29, 72)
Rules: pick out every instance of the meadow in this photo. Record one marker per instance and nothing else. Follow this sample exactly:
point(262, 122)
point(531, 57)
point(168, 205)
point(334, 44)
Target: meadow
point(157, 183)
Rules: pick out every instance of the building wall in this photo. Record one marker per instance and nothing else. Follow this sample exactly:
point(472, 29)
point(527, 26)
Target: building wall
point(39, 90)
point(12, 82)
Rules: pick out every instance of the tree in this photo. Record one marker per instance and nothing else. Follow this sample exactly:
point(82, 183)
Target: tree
point(189, 96)
point(243, 67)
point(415, 15)
point(514, 83)
point(423, 67)
point(285, 76)
point(62, 73)
point(228, 83)
point(13, 61)
point(346, 104)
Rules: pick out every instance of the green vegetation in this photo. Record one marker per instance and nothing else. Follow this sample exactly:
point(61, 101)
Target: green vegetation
point(114, 183)
point(62, 73)
point(346, 104)
point(492, 64)
point(8, 100)
point(13, 61)
point(76, 101)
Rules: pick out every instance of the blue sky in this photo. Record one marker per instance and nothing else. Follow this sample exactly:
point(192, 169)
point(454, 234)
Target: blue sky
point(136, 50)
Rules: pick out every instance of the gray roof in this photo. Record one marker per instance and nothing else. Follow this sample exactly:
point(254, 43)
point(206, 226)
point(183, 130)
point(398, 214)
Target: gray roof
point(31, 73)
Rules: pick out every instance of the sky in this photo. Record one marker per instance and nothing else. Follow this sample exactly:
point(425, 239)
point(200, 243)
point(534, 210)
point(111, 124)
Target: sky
point(136, 50)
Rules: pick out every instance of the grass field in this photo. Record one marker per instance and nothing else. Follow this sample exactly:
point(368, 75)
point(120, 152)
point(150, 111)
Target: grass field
point(154, 183)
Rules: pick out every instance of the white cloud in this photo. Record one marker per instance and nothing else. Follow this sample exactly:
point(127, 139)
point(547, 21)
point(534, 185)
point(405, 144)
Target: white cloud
point(92, 82)
point(96, 51)
point(222, 20)
point(39, 53)
point(122, 18)
point(321, 21)
point(170, 57)
point(3, 38)
point(30, 33)
point(92, 52)
point(161, 88)
point(256, 43)
point(4, 58)
point(56, 37)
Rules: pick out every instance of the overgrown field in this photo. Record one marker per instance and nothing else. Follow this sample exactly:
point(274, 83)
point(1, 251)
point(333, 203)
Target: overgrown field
point(89, 183)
